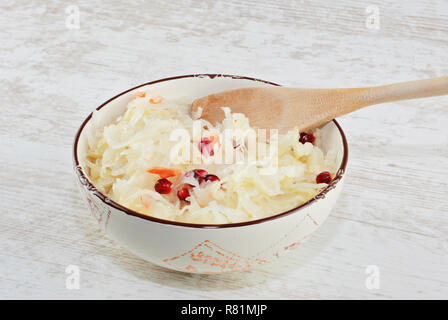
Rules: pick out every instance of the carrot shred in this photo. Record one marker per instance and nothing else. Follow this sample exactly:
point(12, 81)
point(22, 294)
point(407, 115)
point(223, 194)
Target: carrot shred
point(140, 94)
point(155, 100)
point(164, 172)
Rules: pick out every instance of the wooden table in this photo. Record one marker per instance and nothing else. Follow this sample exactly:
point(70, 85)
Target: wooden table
point(393, 213)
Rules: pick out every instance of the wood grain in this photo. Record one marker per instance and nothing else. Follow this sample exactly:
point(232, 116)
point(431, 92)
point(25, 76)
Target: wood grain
point(392, 213)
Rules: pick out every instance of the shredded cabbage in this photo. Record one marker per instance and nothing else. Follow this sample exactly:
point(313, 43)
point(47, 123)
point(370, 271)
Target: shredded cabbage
point(120, 153)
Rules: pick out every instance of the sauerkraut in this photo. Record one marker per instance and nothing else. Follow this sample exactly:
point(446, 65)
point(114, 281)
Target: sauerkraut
point(156, 132)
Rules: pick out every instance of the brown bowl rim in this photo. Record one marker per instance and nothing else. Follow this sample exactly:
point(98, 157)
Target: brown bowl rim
point(86, 182)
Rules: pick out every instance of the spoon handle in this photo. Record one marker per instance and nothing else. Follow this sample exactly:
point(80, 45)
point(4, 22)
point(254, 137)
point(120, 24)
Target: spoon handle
point(362, 97)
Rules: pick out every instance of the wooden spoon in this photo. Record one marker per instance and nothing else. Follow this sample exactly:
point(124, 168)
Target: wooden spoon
point(284, 108)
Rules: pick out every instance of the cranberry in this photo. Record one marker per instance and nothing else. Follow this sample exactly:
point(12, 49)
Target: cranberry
point(306, 137)
point(211, 177)
point(163, 186)
point(206, 147)
point(198, 174)
point(323, 177)
point(183, 193)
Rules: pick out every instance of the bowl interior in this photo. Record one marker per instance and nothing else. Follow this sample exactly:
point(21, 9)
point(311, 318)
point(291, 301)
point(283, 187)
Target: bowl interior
point(189, 88)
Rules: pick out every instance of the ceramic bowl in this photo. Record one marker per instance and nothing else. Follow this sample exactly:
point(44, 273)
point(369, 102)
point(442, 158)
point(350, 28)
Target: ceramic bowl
point(205, 248)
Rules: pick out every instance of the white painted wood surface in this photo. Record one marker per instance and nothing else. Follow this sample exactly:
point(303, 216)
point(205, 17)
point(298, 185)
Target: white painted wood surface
point(393, 212)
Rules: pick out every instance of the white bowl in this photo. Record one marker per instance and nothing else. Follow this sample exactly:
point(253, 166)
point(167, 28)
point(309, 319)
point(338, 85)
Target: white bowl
point(205, 248)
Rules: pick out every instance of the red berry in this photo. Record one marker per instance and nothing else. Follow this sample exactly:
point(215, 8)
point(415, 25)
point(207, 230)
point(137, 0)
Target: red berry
point(199, 172)
point(306, 137)
point(206, 147)
point(211, 177)
point(163, 186)
point(183, 193)
point(323, 177)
